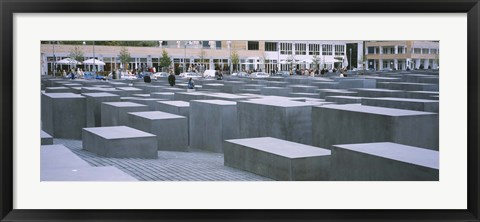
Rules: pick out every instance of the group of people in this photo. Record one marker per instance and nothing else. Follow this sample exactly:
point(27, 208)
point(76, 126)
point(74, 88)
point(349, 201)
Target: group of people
point(72, 73)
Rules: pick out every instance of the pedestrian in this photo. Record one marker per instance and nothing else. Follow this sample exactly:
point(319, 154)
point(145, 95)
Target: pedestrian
point(191, 84)
point(171, 79)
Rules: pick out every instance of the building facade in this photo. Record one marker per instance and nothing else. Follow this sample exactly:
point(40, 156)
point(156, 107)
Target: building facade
point(402, 55)
point(268, 56)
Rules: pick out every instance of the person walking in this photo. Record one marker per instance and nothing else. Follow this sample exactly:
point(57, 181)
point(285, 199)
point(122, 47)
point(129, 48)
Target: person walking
point(171, 79)
point(191, 84)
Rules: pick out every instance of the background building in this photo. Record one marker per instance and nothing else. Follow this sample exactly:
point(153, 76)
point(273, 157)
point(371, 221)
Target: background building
point(402, 55)
point(268, 56)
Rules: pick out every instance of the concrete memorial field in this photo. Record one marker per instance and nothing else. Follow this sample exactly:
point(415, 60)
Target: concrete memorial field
point(372, 127)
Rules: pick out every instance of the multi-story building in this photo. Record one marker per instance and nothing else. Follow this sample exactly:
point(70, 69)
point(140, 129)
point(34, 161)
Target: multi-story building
point(402, 55)
point(267, 56)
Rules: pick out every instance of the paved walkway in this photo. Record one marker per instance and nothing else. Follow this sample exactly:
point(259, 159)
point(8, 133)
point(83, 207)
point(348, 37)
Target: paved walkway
point(170, 166)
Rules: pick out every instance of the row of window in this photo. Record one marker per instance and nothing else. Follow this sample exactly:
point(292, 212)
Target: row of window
point(300, 48)
point(401, 50)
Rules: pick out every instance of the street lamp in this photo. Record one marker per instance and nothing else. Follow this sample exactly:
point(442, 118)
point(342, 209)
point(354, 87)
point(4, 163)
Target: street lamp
point(351, 59)
point(230, 60)
point(54, 60)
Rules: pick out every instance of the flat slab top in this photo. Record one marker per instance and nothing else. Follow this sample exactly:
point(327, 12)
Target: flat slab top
point(412, 83)
point(306, 94)
point(275, 88)
point(196, 93)
point(164, 93)
point(124, 104)
point(141, 95)
point(376, 110)
point(403, 99)
point(118, 132)
point(399, 152)
point(100, 94)
point(213, 84)
point(56, 87)
point(43, 134)
point(228, 96)
point(104, 173)
point(335, 90)
point(129, 89)
point(345, 97)
point(378, 90)
point(64, 95)
point(59, 156)
point(424, 92)
point(302, 86)
point(156, 115)
point(275, 102)
point(281, 147)
point(216, 102)
point(178, 103)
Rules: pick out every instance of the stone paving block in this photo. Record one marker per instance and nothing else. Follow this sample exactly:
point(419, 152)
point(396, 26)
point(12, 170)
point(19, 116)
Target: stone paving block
point(384, 161)
point(279, 118)
point(63, 114)
point(45, 138)
point(171, 130)
point(120, 142)
point(211, 122)
point(275, 91)
point(116, 113)
point(348, 124)
point(93, 107)
point(403, 103)
point(278, 159)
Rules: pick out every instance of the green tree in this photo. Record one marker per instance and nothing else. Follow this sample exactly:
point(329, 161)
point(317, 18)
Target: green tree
point(316, 61)
point(202, 56)
point(235, 59)
point(76, 53)
point(165, 60)
point(124, 57)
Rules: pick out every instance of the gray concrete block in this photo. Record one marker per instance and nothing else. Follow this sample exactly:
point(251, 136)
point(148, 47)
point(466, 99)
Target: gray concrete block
point(384, 162)
point(211, 122)
point(59, 89)
point(226, 96)
point(105, 173)
point(278, 159)
point(344, 99)
point(276, 84)
point(128, 91)
point(59, 156)
point(120, 142)
point(187, 96)
point(143, 95)
point(150, 102)
point(171, 130)
point(311, 95)
point(348, 124)
point(403, 103)
point(302, 88)
point(233, 86)
point(63, 114)
point(349, 83)
point(323, 93)
point(325, 85)
point(380, 93)
point(212, 86)
point(93, 107)
point(116, 113)
point(163, 95)
point(279, 118)
point(422, 95)
point(46, 139)
point(407, 86)
point(275, 91)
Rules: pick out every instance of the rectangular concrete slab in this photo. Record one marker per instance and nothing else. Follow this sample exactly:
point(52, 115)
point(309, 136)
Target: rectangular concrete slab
point(94, 104)
point(98, 174)
point(46, 139)
point(171, 130)
point(384, 161)
point(116, 113)
point(63, 114)
point(348, 124)
point(120, 142)
point(403, 103)
point(278, 159)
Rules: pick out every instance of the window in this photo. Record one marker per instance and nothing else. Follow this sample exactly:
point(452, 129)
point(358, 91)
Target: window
point(314, 49)
point(164, 43)
point(252, 45)
point(327, 50)
point(205, 44)
point(286, 48)
point(339, 50)
point(270, 46)
point(218, 44)
point(371, 50)
point(300, 49)
point(433, 51)
point(417, 51)
point(401, 50)
point(388, 50)
point(425, 51)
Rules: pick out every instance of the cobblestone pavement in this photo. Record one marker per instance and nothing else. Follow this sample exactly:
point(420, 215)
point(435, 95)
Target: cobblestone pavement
point(170, 166)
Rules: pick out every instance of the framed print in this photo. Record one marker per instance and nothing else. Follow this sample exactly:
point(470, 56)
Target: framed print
point(209, 110)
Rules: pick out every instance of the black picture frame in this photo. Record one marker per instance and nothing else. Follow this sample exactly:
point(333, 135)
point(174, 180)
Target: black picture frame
point(9, 7)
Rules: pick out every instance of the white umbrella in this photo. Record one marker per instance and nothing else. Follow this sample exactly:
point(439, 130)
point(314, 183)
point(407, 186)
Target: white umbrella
point(68, 61)
point(93, 62)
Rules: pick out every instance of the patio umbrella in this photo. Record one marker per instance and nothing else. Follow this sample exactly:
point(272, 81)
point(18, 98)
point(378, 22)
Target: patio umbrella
point(68, 61)
point(93, 62)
